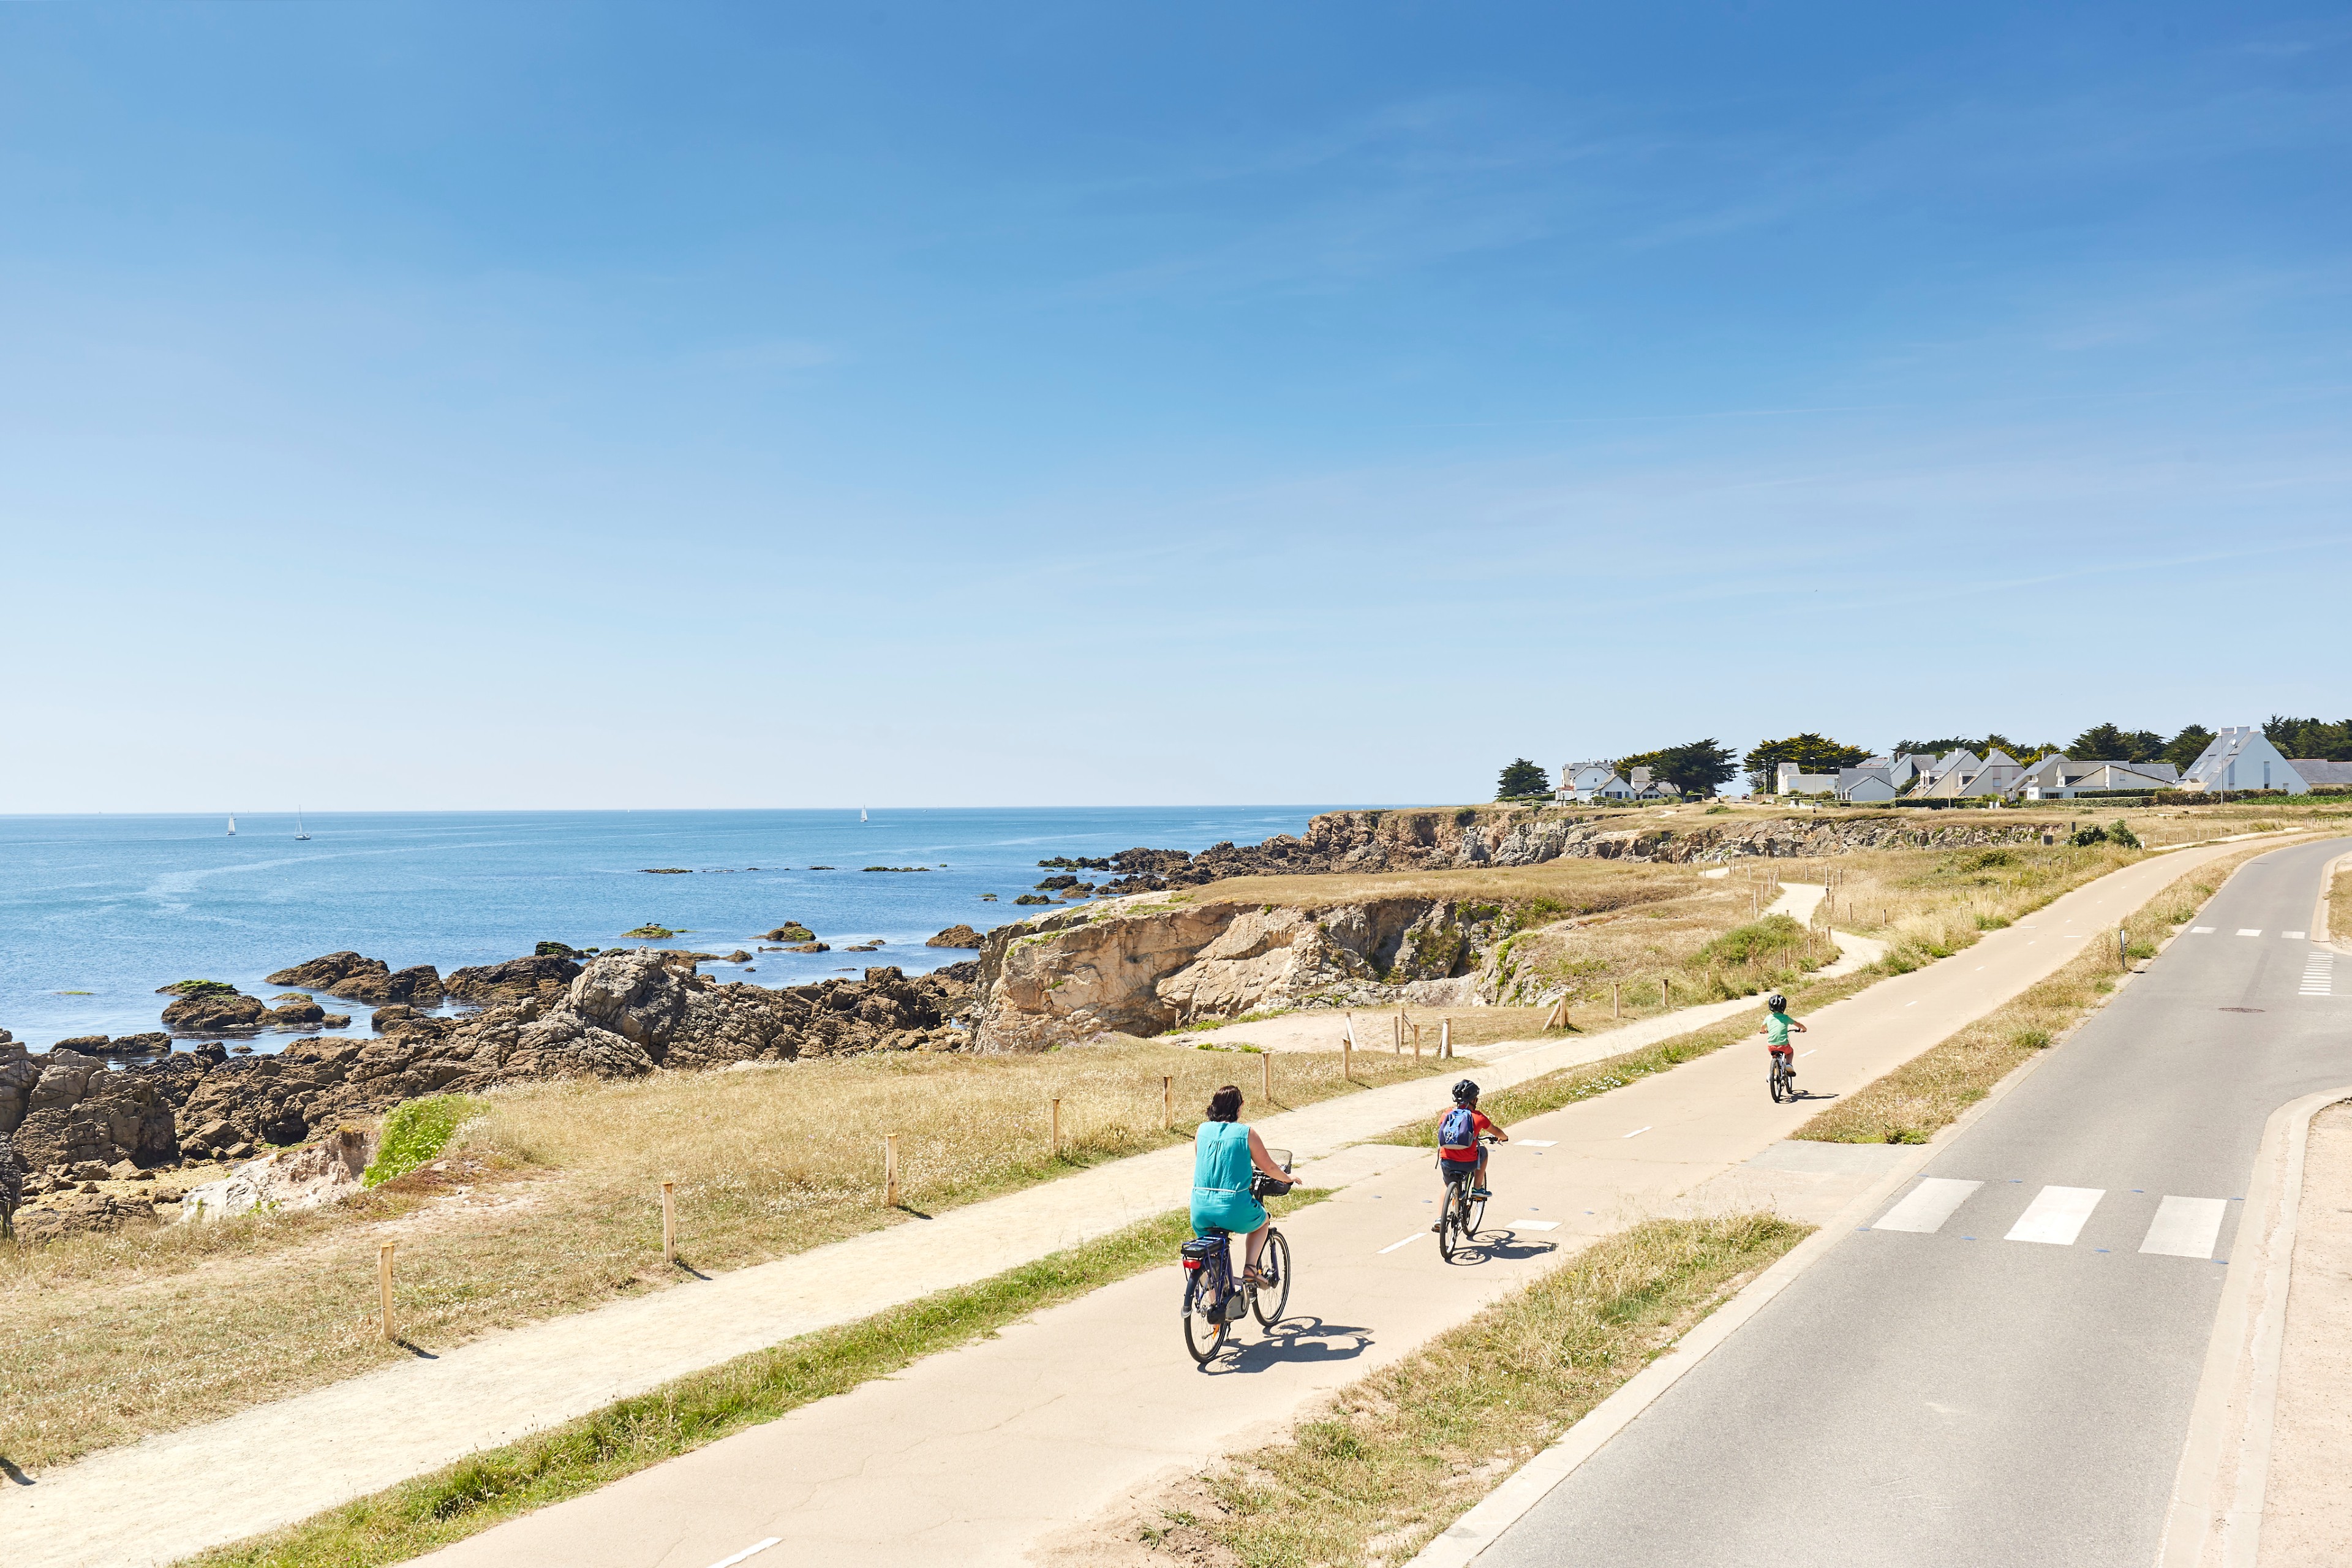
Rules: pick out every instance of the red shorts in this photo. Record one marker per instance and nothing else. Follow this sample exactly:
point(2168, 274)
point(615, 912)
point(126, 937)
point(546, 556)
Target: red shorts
point(1781, 1050)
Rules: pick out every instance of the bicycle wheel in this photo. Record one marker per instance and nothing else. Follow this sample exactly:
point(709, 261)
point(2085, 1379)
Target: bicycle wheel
point(1474, 1215)
point(1205, 1321)
point(1269, 1300)
point(1446, 1220)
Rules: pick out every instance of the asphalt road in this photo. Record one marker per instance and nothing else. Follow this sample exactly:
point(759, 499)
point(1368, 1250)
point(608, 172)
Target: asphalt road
point(2008, 1380)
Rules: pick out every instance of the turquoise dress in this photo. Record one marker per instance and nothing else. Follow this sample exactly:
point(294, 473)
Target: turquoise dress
point(1221, 1170)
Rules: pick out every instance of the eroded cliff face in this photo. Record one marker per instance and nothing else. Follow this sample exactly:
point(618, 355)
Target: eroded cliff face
point(1145, 965)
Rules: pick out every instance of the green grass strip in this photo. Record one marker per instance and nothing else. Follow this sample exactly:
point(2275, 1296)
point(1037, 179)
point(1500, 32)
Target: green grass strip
point(1405, 1452)
point(568, 1461)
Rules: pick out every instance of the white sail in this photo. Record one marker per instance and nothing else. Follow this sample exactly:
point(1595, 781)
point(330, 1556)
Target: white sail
point(232, 824)
point(299, 831)
point(861, 814)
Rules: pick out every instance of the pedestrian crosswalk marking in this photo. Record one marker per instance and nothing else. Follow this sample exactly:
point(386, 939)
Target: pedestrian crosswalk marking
point(2185, 1228)
point(1929, 1204)
point(2056, 1216)
point(2182, 1227)
point(2320, 973)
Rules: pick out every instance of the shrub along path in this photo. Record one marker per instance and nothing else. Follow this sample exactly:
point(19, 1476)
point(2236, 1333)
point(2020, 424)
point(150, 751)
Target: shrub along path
point(173, 1495)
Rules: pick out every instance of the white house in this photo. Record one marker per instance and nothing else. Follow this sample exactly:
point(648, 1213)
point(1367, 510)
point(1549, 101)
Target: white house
point(1962, 776)
point(2059, 777)
point(1647, 787)
point(1790, 778)
point(1585, 783)
point(2241, 757)
point(1864, 785)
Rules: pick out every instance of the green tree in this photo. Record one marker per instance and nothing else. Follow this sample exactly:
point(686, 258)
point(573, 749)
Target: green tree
point(1522, 778)
point(2186, 746)
point(1982, 745)
point(2310, 738)
point(1815, 753)
point(2111, 743)
point(1695, 767)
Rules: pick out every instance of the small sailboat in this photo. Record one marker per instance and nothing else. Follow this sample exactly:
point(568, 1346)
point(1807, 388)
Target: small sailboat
point(232, 824)
point(861, 816)
point(301, 833)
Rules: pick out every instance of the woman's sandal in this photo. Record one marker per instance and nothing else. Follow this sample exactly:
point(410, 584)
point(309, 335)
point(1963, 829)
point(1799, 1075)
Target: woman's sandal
point(1254, 1276)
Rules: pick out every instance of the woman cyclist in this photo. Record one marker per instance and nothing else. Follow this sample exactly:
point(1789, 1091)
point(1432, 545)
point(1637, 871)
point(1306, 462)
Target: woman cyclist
point(1226, 1156)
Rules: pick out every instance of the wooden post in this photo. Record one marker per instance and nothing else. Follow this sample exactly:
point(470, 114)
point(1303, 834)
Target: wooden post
point(1265, 1076)
point(1616, 999)
point(1167, 1102)
point(669, 1222)
point(1416, 1042)
point(384, 1287)
point(1057, 1129)
point(1347, 1051)
point(1446, 1039)
point(891, 1171)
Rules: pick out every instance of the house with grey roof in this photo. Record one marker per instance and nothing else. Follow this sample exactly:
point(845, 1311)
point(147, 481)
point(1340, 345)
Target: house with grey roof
point(2060, 777)
point(2241, 757)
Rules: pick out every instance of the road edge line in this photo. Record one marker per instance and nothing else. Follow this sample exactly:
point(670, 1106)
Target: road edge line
point(2215, 1513)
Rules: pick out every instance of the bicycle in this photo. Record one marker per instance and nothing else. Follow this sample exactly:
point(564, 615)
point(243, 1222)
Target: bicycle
point(1214, 1299)
point(1458, 1221)
point(1783, 1078)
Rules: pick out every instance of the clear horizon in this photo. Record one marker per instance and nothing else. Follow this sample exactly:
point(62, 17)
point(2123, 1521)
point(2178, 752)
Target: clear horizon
point(428, 408)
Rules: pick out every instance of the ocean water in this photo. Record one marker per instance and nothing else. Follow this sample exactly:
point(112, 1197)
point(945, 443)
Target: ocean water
point(96, 912)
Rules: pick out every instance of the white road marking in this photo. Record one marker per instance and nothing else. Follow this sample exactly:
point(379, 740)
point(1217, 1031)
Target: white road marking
point(2294, 935)
point(2056, 1216)
point(2201, 931)
point(2319, 974)
point(1802, 1055)
point(1639, 1130)
point(2185, 1228)
point(2246, 931)
point(1535, 1224)
point(1927, 1206)
point(748, 1551)
point(1408, 1241)
point(1538, 1143)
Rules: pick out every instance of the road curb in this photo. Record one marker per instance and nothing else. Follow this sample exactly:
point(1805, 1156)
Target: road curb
point(2215, 1517)
point(1492, 1516)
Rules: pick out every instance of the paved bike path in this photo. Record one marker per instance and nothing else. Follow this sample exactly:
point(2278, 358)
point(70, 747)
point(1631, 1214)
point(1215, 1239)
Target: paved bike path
point(983, 1453)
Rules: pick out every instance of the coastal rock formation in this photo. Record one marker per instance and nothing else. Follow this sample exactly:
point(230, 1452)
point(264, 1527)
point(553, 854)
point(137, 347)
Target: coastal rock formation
point(546, 975)
point(1367, 841)
point(1146, 967)
point(78, 1112)
point(359, 979)
point(792, 931)
point(956, 936)
point(317, 1174)
point(215, 1012)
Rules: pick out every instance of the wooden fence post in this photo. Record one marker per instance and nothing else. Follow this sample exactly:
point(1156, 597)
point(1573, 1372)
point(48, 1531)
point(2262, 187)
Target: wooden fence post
point(1057, 1129)
point(384, 1287)
point(1347, 1051)
point(1167, 1102)
point(669, 1222)
point(1265, 1076)
point(890, 1170)
point(1446, 1039)
point(1616, 999)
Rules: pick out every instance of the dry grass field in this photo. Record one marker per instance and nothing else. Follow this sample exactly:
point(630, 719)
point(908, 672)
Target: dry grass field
point(549, 1204)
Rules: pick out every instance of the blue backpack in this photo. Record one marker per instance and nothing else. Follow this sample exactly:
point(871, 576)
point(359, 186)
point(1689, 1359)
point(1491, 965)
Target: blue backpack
point(1459, 1130)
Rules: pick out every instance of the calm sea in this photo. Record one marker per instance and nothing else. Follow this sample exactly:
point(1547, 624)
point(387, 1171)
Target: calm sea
point(98, 911)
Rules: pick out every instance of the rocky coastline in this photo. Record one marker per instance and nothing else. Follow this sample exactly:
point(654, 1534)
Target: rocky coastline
point(73, 1120)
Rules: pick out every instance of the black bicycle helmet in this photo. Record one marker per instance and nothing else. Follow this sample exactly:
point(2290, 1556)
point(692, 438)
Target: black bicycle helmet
point(1466, 1093)
point(1777, 1002)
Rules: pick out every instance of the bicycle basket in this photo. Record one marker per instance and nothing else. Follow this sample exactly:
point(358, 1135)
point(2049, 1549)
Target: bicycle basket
point(1266, 1189)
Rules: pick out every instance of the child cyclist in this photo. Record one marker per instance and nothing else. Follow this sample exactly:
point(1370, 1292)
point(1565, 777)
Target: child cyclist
point(1775, 1029)
point(1460, 1156)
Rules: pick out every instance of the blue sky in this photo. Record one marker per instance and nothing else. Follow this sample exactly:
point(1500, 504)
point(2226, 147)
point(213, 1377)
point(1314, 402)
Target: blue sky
point(432, 406)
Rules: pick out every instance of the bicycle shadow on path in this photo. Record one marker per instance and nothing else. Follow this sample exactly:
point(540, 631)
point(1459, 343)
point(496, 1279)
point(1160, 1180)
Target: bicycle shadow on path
point(1294, 1341)
point(1499, 1243)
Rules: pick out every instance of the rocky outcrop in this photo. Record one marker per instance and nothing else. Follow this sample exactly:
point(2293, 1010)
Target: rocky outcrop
point(78, 1112)
point(1144, 967)
point(956, 936)
point(215, 1013)
point(1370, 841)
point(792, 931)
point(359, 979)
point(315, 1174)
point(545, 976)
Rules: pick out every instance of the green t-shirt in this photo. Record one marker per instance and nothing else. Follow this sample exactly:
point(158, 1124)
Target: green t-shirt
point(1776, 1028)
